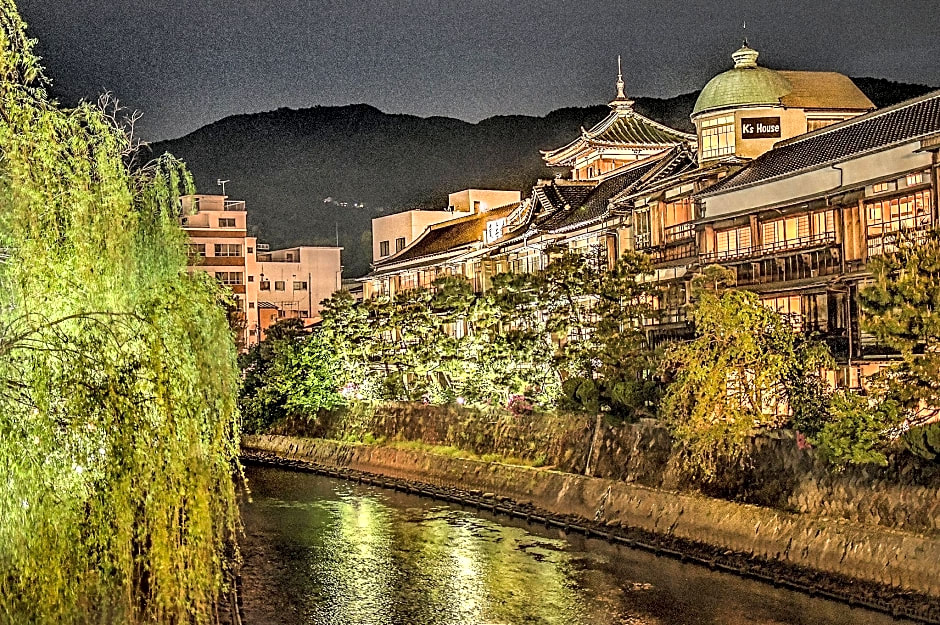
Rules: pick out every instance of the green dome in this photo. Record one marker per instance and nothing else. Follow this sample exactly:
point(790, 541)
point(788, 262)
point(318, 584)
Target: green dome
point(746, 84)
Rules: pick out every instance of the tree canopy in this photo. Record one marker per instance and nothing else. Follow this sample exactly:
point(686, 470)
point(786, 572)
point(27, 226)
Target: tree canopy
point(117, 373)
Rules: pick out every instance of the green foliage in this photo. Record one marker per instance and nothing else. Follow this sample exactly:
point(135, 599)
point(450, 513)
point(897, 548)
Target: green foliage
point(853, 432)
point(290, 374)
point(596, 315)
point(443, 344)
point(900, 309)
point(746, 368)
point(574, 320)
point(118, 427)
point(924, 441)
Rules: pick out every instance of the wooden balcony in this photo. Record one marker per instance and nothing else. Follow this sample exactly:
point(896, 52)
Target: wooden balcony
point(820, 240)
point(679, 232)
point(789, 266)
point(880, 242)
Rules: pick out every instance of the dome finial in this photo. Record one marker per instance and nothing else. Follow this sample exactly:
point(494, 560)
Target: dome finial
point(744, 29)
point(745, 56)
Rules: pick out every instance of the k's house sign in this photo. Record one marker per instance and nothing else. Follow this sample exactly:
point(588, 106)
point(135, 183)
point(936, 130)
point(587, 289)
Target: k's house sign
point(760, 127)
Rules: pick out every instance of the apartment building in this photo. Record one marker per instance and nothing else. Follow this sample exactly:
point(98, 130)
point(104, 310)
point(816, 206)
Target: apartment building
point(266, 285)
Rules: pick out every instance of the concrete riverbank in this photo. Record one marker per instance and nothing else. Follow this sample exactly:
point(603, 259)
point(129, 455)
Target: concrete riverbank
point(892, 570)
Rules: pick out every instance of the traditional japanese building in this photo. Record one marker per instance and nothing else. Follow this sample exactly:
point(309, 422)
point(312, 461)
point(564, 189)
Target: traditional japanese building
point(799, 223)
point(622, 138)
point(451, 247)
point(793, 181)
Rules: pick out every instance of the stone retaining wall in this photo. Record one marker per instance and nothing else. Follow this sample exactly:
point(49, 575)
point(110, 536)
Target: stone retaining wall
point(781, 475)
point(906, 560)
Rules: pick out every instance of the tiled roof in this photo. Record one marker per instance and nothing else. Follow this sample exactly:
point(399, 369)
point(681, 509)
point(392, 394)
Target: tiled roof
point(557, 196)
point(634, 129)
point(448, 236)
point(823, 90)
point(595, 204)
point(676, 167)
point(623, 127)
point(878, 129)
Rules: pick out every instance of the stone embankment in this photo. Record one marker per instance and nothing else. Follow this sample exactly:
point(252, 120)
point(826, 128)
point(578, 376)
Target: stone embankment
point(894, 570)
point(781, 474)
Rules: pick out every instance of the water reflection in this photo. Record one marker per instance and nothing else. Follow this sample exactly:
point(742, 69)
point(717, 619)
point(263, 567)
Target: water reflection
point(321, 551)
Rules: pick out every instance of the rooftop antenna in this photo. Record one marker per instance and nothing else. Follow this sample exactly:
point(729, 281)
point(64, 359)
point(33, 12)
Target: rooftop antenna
point(221, 183)
point(744, 29)
point(336, 225)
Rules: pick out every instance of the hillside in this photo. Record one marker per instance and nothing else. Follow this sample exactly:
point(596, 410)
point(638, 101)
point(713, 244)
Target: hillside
point(308, 174)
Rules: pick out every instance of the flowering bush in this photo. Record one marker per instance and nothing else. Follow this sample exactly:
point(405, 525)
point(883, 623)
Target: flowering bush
point(519, 405)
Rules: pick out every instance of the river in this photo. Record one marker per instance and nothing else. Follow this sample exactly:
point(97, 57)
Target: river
point(328, 552)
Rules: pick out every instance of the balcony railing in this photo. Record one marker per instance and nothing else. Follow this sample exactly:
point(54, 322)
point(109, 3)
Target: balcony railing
point(234, 205)
point(880, 243)
point(821, 239)
point(679, 232)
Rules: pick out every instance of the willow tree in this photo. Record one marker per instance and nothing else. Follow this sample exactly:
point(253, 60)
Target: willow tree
point(747, 368)
point(117, 374)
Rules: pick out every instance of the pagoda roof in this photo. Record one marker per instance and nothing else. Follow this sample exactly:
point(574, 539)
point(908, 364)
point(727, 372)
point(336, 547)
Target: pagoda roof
point(622, 128)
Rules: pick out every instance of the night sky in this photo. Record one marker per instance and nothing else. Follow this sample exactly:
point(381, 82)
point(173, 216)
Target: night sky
point(185, 64)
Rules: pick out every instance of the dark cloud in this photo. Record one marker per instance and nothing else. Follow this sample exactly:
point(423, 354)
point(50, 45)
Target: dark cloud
point(187, 63)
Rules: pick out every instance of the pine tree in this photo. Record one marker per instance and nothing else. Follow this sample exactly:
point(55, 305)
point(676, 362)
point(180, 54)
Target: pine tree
point(901, 307)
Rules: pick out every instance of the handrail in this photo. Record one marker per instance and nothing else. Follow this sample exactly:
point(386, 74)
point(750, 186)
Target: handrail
point(679, 232)
point(812, 240)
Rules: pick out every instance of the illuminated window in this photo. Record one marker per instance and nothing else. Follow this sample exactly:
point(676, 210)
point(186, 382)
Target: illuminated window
point(228, 249)
point(790, 306)
point(229, 277)
point(797, 230)
point(300, 286)
point(677, 212)
point(264, 285)
point(718, 136)
point(280, 285)
point(383, 248)
point(733, 242)
point(226, 222)
point(642, 227)
point(915, 179)
point(899, 213)
point(197, 249)
point(399, 244)
point(883, 187)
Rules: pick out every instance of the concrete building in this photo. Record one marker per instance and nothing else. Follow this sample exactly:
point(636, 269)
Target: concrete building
point(266, 285)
